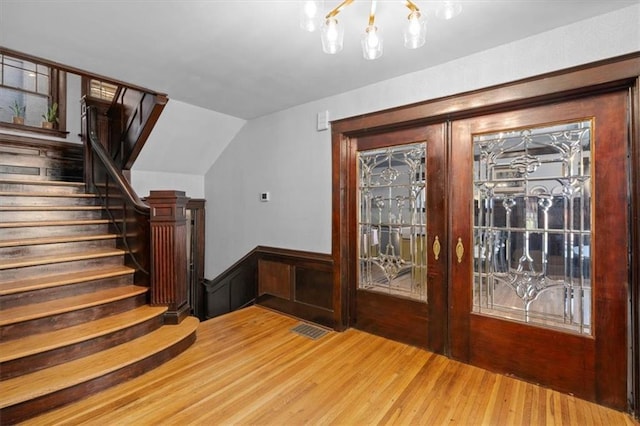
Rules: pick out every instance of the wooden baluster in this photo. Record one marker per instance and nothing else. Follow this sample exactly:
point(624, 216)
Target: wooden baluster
point(169, 253)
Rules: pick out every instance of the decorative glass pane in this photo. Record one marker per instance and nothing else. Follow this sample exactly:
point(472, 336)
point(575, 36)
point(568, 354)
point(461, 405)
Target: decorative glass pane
point(392, 221)
point(532, 226)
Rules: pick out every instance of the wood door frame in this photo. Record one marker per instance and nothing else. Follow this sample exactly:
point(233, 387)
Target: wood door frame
point(612, 74)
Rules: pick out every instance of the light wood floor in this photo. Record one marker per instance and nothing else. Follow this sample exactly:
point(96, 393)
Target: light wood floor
point(249, 368)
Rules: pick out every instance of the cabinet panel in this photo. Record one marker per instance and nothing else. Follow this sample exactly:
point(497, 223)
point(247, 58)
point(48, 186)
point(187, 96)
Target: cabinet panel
point(313, 287)
point(274, 278)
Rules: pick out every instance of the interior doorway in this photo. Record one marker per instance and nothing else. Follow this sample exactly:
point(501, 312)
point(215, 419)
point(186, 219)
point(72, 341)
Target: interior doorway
point(501, 239)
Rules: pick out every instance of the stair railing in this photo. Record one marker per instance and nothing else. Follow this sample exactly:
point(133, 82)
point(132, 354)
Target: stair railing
point(134, 113)
point(153, 234)
point(129, 216)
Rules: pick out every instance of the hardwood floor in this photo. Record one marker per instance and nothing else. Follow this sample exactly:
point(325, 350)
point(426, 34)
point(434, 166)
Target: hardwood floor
point(247, 367)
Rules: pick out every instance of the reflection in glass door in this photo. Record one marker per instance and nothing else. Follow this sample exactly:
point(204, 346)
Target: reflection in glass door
point(392, 221)
point(532, 225)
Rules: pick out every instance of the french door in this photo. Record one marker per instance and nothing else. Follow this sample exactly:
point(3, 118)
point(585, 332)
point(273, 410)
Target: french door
point(540, 228)
point(400, 290)
point(502, 240)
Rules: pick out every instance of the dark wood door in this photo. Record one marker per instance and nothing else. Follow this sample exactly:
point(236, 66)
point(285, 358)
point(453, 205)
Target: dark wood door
point(400, 288)
point(539, 216)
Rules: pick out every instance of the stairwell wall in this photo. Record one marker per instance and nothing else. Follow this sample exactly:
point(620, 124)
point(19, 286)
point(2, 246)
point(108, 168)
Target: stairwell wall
point(183, 144)
point(283, 154)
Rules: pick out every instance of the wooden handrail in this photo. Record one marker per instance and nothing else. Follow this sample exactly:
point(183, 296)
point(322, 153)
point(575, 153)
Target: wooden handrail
point(128, 214)
point(130, 195)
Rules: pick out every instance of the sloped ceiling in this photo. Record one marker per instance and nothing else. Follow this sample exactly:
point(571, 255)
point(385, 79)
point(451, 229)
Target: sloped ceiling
point(187, 139)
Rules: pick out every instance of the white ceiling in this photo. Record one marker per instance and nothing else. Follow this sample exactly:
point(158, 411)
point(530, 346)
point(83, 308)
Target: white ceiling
point(248, 58)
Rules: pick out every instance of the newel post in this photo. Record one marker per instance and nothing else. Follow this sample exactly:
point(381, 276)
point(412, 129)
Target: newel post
point(169, 253)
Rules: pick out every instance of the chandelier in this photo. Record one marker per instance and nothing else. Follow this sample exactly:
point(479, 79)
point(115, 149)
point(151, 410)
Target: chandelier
point(332, 33)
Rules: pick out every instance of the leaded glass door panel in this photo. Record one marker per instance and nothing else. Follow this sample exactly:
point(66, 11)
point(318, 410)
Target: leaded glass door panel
point(399, 290)
point(392, 220)
point(540, 236)
point(532, 225)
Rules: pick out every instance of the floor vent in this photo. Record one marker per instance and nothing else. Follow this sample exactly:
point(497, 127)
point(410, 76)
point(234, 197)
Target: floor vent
point(310, 331)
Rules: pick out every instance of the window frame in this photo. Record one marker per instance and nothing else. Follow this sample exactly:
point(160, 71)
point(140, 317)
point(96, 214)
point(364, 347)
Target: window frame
point(105, 88)
point(57, 93)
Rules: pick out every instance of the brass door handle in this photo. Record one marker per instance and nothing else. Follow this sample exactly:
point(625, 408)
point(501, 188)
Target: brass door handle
point(459, 250)
point(436, 248)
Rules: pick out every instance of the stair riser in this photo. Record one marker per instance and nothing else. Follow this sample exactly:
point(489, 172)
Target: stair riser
point(57, 268)
point(30, 200)
point(59, 248)
point(76, 289)
point(50, 187)
point(44, 215)
point(26, 410)
point(51, 231)
point(57, 356)
point(69, 319)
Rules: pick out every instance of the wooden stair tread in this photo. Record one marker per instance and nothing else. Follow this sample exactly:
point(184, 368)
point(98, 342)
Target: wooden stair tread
point(58, 258)
point(56, 280)
point(46, 194)
point(53, 223)
point(55, 240)
point(67, 304)
point(33, 344)
point(43, 382)
point(48, 208)
point(42, 182)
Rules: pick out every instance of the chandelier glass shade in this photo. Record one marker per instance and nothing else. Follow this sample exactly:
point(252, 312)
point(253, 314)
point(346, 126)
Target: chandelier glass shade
point(448, 10)
point(371, 43)
point(332, 31)
point(415, 33)
point(332, 36)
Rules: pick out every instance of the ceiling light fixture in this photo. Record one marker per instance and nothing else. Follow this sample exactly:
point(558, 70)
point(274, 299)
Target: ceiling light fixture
point(332, 33)
point(448, 10)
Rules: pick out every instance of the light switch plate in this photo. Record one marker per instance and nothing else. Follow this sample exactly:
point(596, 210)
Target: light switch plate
point(323, 121)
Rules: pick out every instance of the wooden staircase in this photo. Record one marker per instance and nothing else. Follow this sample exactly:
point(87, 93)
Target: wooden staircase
point(72, 320)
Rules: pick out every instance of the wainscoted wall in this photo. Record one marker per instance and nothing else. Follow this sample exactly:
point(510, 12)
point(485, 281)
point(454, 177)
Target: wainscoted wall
point(294, 282)
point(297, 283)
point(234, 288)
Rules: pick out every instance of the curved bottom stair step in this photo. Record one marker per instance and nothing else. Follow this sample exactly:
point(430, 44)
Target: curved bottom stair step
point(59, 306)
point(31, 353)
point(40, 318)
point(26, 396)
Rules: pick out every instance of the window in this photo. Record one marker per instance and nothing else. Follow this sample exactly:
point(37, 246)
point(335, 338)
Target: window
point(27, 90)
point(97, 89)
